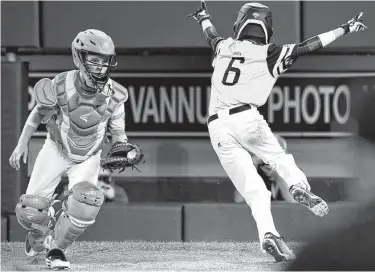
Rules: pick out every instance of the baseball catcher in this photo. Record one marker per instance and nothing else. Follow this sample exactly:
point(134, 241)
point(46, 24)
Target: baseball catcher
point(78, 108)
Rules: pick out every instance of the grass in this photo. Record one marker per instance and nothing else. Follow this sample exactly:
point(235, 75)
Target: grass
point(150, 256)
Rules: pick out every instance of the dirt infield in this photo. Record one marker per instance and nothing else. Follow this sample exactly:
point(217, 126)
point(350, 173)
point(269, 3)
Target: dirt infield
point(150, 256)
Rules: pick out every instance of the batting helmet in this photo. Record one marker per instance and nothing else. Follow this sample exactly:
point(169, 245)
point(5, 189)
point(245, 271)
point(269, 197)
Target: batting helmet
point(257, 19)
point(97, 43)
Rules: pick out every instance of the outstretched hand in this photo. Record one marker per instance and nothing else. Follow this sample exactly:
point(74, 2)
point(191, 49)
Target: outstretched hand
point(354, 25)
point(201, 14)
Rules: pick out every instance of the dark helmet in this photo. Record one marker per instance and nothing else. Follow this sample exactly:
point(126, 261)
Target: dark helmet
point(257, 15)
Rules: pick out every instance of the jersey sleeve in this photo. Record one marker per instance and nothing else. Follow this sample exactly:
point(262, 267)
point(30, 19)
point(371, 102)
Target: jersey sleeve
point(212, 37)
point(116, 122)
point(221, 46)
point(281, 58)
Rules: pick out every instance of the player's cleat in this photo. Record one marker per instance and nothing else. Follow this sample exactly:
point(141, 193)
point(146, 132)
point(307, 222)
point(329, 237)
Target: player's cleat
point(276, 247)
point(314, 203)
point(56, 259)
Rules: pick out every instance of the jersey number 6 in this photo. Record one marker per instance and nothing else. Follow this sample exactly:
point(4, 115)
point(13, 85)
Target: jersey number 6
point(232, 69)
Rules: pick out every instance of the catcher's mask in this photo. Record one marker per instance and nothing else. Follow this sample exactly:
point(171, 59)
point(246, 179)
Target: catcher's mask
point(94, 54)
point(254, 20)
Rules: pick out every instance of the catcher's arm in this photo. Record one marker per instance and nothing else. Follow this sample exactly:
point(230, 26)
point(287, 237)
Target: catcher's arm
point(32, 123)
point(209, 31)
point(116, 125)
point(42, 112)
point(45, 108)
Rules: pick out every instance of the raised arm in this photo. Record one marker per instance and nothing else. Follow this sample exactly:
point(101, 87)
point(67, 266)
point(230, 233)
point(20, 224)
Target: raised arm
point(203, 18)
point(281, 58)
point(320, 41)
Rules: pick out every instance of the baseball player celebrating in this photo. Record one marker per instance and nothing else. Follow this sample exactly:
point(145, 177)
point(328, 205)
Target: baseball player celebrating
point(77, 107)
point(246, 68)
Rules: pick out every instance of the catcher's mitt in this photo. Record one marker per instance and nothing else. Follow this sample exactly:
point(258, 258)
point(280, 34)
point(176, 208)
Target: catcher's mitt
point(122, 155)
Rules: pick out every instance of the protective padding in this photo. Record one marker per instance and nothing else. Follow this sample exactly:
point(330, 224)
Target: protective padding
point(87, 193)
point(45, 94)
point(80, 211)
point(36, 239)
point(32, 210)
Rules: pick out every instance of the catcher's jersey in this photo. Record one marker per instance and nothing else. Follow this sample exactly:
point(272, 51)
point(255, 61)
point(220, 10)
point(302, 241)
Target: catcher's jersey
point(245, 73)
point(80, 120)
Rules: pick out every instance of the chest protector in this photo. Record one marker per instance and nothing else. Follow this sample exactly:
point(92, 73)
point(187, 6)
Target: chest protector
point(80, 123)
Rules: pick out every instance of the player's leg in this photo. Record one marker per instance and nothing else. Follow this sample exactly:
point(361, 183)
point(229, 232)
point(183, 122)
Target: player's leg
point(238, 165)
point(34, 211)
point(79, 210)
point(265, 145)
point(85, 171)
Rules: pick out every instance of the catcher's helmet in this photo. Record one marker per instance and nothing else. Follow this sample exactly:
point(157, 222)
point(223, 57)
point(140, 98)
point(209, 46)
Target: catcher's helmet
point(97, 43)
point(258, 15)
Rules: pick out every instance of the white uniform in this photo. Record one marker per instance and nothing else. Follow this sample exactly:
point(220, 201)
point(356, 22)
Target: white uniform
point(244, 73)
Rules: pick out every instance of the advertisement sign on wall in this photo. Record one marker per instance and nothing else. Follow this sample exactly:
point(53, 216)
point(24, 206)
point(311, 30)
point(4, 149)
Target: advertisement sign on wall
point(176, 104)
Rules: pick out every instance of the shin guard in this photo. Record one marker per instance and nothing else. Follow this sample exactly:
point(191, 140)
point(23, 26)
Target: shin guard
point(79, 212)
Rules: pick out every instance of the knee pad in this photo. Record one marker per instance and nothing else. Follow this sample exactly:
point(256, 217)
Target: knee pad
point(33, 212)
point(80, 211)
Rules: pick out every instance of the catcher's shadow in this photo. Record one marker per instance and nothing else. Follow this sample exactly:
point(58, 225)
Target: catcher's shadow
point(171, 160)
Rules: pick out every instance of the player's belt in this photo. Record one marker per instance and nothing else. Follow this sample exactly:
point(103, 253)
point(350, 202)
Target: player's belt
point(231, 111)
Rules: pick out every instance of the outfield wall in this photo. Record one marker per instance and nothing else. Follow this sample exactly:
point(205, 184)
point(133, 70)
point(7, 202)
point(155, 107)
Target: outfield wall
point(201, 222)
point(149, 24)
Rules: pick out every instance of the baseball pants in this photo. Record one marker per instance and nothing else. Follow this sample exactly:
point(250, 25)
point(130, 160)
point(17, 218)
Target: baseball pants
point(233, 137)
point(51, 164)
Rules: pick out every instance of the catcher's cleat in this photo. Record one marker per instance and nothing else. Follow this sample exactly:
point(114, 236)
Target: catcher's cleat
point(56, 259)
point(276, 247)
point(314, 203)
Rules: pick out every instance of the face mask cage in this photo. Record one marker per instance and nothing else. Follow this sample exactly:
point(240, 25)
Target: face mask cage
point(97, 66)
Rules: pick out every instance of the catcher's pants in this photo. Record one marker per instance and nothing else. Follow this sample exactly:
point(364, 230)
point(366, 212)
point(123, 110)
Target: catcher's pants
point(51, 164)
point(233, 137)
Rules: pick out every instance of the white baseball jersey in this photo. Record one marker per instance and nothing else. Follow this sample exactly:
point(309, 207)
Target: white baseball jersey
point(245, 73)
